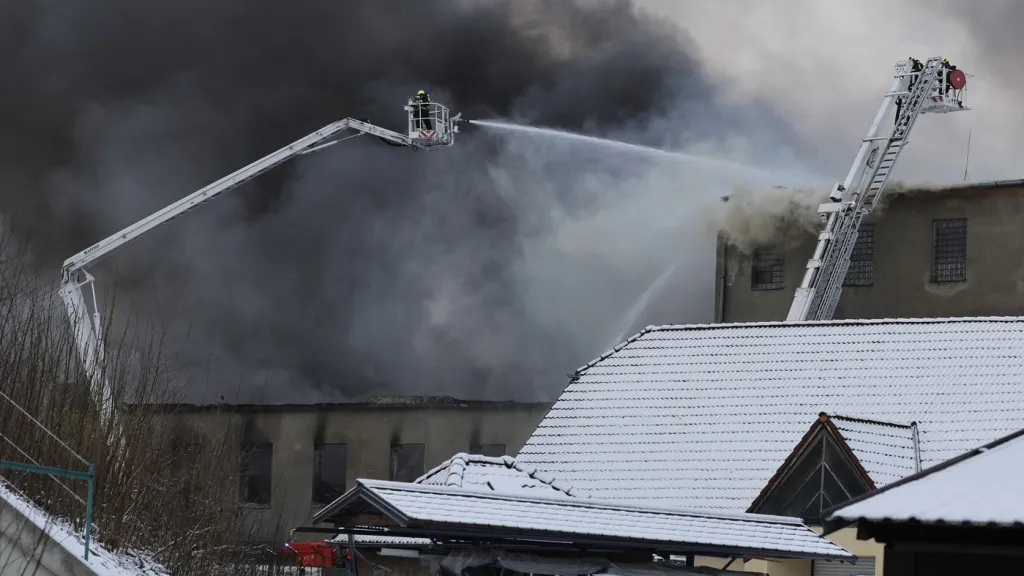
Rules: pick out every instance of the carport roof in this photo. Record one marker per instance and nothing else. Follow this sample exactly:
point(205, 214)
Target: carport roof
point(442, 512)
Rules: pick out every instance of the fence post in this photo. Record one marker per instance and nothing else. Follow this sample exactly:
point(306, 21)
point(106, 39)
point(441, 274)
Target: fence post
point(88, 508)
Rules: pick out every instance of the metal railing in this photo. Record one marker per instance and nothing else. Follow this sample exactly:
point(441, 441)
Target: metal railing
point(34, 467)
point(429, 121)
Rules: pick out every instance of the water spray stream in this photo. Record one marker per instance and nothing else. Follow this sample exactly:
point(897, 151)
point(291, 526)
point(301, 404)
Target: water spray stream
point(638, 307)
point(621, 146)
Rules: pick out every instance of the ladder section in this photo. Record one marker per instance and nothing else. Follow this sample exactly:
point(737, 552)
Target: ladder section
point(913, 92)
point(910, 110)
point(835, 264)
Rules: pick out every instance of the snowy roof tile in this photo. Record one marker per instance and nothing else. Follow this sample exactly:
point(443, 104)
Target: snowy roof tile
point(884, 449)
point(702, 416)
point(980, 487)
point(535, 517)
point(495, 473)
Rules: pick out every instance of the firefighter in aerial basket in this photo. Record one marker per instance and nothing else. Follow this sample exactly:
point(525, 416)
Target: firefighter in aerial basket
point(423, 120)
point(949, 68)
point(916, 66)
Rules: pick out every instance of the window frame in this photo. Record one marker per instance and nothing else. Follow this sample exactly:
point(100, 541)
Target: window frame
point(249, 449)
point(322, 496)
point(949, 250)
point(776, 269)
point(861, 271)
point(483, 448)
point(394, 468)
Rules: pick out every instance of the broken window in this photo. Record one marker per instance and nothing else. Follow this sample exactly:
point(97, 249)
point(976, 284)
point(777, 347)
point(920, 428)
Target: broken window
point(949, 250)
point(406, 462)
point(493, 450)
point(767, 270)
point(330, 469)
point(862, 260)
point(257, 463)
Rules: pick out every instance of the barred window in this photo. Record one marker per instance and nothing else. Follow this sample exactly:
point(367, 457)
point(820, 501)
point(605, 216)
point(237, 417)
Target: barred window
point(767, 270)
point(949, 250)
point(862, 260)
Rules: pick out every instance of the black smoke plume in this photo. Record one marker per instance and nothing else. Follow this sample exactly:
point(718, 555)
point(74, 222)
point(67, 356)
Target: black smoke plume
point(363, 268)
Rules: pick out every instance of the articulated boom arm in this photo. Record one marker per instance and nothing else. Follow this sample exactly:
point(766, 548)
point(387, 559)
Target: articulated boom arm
point(430, 127)
point(934, 89)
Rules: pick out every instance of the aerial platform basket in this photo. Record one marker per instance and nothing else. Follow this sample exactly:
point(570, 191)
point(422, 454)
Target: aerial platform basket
point(431, 124)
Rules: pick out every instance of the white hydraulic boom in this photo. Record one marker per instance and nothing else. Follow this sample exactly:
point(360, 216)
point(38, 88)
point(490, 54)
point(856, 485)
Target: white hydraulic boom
point(430, 127)
point(935, 88)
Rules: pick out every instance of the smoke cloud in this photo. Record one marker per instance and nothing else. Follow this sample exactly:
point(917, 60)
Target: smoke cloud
point(489, 269)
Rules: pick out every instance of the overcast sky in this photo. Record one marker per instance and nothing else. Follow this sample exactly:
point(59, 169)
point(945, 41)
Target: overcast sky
point(825, 65)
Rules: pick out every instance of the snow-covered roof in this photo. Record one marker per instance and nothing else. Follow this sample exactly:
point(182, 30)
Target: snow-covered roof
point(702, 416)
point(559, 518)
point(884, 449)
point(502, 474)
point(981, 487)
point(476, 472)
point(101, 561)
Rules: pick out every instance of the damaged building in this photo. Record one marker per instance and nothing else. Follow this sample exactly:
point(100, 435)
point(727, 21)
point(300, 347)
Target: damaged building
point(297, 458)
point(927, 253)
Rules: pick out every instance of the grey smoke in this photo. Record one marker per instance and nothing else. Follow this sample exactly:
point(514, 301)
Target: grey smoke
point(486, 270)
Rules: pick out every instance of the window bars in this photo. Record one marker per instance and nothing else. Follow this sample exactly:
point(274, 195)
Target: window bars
point(949, 250)
point(767, 270)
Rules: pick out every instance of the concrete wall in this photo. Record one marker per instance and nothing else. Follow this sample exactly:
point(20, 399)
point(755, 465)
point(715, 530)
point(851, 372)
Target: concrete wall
point(903, 256)
point(368, 431)
point(26, 549)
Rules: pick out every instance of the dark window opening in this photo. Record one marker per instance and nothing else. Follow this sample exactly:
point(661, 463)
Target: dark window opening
point(406, 462)
point(257, 463)
point(949, 251)
point(862, 260)
point(330, 469)
point(492, 450)
point(767, 271)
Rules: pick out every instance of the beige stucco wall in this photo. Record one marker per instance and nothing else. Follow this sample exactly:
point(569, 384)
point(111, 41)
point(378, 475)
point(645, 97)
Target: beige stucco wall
point(847, 538)
point(779, 567)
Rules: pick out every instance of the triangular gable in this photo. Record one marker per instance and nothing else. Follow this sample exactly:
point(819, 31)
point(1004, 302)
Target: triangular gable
point(820, 473)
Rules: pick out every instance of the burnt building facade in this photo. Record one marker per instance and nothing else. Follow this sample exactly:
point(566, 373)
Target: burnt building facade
point(294, 459)
point(927, 253)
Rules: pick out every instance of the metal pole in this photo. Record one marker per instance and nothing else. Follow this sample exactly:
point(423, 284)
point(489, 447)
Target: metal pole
point(88, 508)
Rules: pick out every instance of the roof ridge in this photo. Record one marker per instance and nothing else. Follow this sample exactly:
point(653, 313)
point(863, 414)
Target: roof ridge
point(787, 324)
point(447, 465)
point(908, 426)
point(628, 341)
point(546, 478)
point(843, 322)
point(580, 502)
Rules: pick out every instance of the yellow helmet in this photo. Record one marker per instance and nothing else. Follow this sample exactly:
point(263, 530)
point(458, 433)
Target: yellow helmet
point(945, 60)
point(421, 93)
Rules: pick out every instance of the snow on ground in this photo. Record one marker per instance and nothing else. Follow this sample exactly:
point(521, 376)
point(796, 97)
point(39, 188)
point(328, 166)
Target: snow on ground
point(101, 561)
